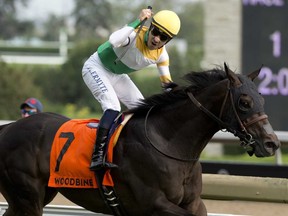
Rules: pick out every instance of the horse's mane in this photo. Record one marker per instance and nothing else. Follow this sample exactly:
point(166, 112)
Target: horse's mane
point(197, 81)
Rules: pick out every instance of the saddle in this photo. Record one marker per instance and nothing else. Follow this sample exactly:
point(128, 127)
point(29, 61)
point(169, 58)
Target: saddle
point(72, 149)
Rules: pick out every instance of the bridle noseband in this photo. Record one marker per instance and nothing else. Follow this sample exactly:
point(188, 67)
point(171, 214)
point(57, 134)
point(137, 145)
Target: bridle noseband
point(245, 137)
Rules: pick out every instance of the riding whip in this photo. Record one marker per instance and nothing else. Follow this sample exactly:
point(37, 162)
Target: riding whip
point(137, 33)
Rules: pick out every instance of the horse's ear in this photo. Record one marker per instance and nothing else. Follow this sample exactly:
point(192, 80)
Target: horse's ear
point(255, 73)
point(232, 76)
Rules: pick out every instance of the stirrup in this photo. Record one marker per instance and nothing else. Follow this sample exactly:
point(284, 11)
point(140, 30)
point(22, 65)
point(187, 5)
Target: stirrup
point(110, 165)
point(95, 165)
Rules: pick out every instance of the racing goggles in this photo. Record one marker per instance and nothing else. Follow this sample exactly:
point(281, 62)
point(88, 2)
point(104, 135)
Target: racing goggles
point(29, 112)
point(157, 32)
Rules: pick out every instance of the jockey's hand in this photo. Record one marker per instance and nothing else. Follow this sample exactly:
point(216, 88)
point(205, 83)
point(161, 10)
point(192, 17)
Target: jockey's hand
point(145, 14)
point(167, 87)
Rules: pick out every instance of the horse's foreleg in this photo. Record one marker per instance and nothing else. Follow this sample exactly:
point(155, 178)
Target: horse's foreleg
point(18, 211)
point(202, 209)
point(50, 194)
point(166, 208)
point(9, 212)
point(168, 213)
point(24, 200)
point(197, 207)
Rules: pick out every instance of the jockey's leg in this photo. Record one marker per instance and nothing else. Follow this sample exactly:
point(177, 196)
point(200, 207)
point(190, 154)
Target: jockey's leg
point(98, 160)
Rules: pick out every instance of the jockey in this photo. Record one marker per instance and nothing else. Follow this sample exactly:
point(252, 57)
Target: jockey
point(126, 51)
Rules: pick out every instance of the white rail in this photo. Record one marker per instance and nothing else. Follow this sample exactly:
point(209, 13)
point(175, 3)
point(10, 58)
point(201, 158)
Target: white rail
point(57, 210)
point(226, 137)
point(248, 188)
point(2, 122)
point(61, 210)
point(33, 59)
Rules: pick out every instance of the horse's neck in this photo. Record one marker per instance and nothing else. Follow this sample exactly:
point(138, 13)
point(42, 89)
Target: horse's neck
point(185, 128)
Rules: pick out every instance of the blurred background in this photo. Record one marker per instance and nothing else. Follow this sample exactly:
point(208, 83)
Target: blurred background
point(43, 45)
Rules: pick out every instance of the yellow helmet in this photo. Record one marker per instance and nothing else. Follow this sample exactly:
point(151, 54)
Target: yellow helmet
point(167, 21)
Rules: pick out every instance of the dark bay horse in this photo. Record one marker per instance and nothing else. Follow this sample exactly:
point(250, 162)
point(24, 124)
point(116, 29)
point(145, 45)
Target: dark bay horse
point(157, 152)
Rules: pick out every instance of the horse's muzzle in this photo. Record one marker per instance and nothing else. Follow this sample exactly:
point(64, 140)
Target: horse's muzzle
point(267, 149)
point(265, 142)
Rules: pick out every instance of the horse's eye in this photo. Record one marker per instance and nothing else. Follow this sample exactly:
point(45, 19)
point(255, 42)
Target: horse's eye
point(244, 105)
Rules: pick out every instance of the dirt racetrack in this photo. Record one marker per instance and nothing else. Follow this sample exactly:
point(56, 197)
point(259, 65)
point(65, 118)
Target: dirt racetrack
point(217, 206)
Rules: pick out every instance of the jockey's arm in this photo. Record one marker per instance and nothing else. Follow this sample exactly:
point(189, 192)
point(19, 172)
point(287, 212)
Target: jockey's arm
point(164, 74)
point(165, 77)
point(121, 37)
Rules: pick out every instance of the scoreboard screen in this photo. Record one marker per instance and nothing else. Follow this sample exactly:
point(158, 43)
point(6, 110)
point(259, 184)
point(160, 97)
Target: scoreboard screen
point(265, 43)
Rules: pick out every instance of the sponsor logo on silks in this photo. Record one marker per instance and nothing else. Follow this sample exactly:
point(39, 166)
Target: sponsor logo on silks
point(99, 82)
point(70, 181)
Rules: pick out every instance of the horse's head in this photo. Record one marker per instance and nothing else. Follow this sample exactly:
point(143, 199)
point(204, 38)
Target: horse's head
point(253, 127)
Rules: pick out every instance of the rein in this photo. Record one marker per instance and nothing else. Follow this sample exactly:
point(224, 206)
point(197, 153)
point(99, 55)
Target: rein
point(243, 135)
point(167, 155)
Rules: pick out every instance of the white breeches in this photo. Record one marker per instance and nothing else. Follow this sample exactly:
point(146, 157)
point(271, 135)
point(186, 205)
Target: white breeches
point(109, 88)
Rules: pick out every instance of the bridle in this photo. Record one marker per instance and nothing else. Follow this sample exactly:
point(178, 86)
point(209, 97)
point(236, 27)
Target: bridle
point(245, 137)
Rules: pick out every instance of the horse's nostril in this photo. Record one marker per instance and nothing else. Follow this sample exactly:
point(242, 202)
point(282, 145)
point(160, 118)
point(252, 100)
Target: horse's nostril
point(271, 145)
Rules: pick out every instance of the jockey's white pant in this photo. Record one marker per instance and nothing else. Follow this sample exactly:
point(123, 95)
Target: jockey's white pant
point(108, 88)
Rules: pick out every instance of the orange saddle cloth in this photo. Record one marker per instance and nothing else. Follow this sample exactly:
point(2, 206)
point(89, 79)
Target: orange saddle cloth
point(71, 153)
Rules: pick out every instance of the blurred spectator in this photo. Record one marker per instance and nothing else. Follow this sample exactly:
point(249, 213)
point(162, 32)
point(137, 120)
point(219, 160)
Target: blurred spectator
point(31, 106)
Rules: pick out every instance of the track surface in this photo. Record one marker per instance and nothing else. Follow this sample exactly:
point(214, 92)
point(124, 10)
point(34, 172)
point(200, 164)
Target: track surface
point(217, 206)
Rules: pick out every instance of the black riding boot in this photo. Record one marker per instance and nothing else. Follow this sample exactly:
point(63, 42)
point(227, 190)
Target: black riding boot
point(98, 160)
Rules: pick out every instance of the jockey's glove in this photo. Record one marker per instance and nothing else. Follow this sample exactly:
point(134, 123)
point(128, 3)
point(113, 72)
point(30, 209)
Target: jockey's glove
point(167, 87)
